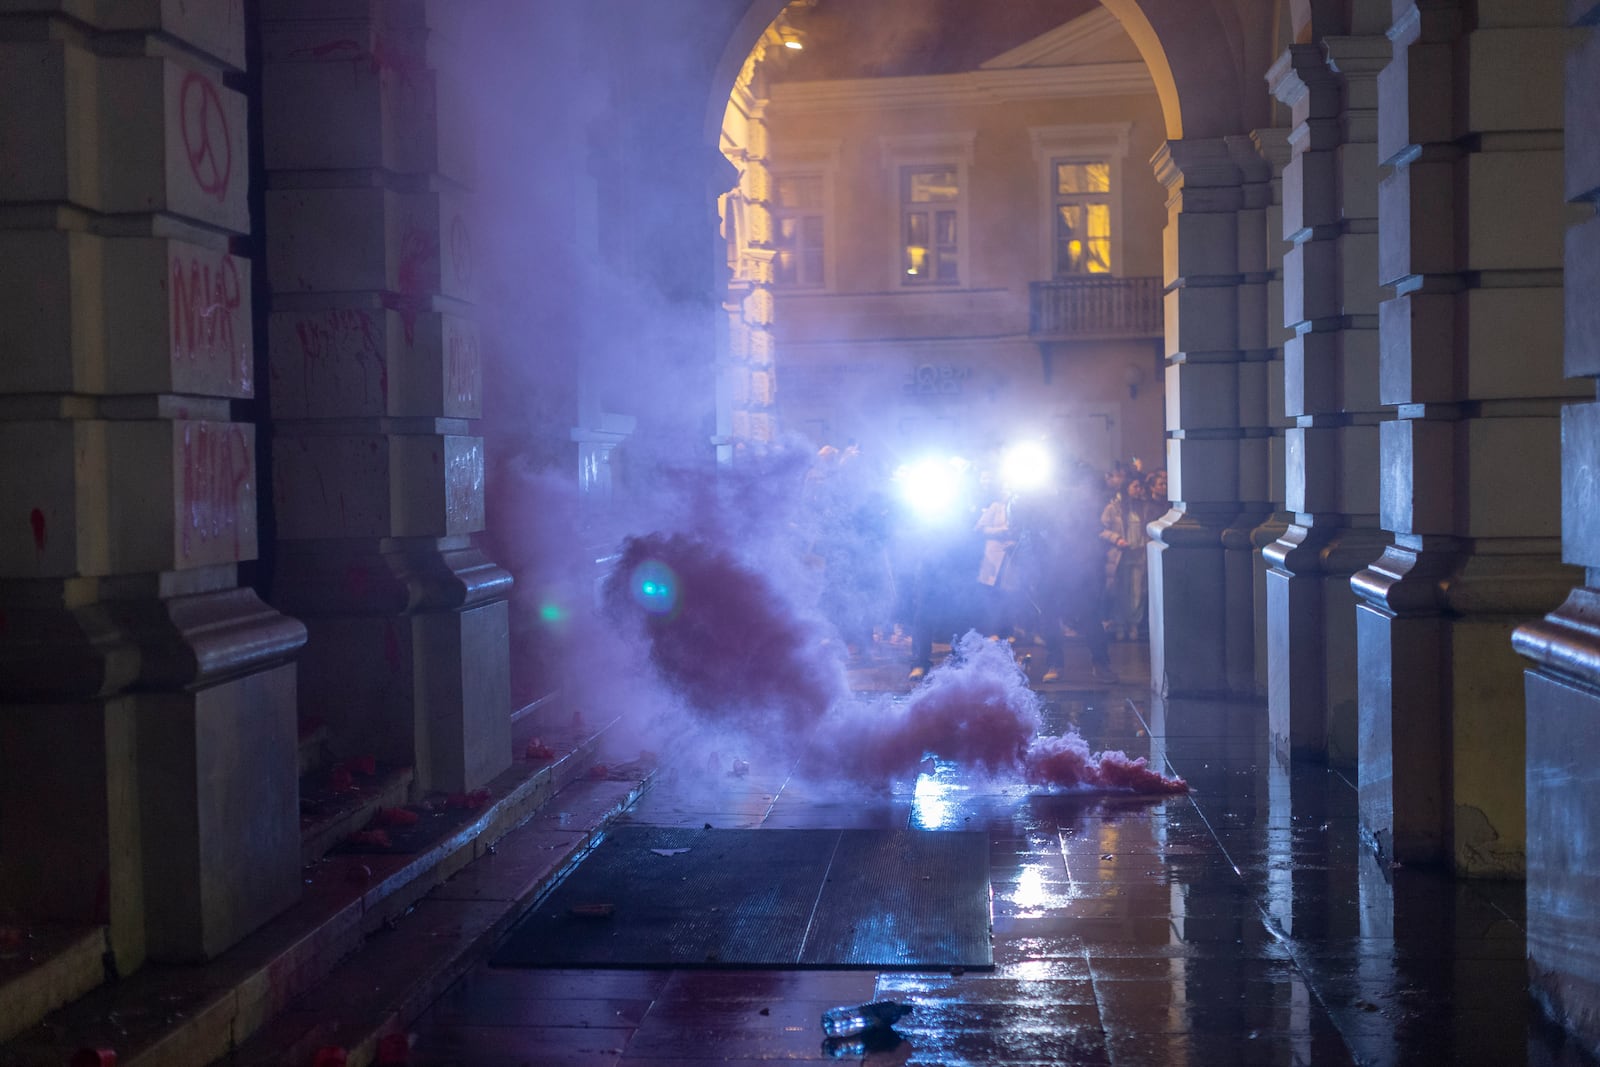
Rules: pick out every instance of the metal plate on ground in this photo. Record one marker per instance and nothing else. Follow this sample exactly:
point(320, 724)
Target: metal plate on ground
point(882, 899)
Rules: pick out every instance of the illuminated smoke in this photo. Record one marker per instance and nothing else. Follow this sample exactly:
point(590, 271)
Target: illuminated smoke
point(729, 641)
point(724, 636)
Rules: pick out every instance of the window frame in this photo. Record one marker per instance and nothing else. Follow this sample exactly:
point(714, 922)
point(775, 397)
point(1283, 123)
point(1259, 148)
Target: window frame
point(821, 212)
point(1089, 143)
point(906, 152)
point(806, 159)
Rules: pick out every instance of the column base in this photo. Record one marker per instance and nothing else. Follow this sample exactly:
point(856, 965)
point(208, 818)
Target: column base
point(217, 788)
point(1563, 796)
point(410, 662)
point(69, 819)
point(1189, 601)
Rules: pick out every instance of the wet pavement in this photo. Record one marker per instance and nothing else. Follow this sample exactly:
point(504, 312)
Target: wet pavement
point(1242, 923)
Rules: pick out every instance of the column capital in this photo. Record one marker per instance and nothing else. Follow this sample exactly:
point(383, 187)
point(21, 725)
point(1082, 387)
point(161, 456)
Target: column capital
point(1358, 57)
point(1303, 69)
point(1196, 163)
point(1272, 144)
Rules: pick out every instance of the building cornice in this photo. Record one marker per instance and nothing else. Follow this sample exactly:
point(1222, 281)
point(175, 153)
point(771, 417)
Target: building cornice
point(956, 90)
point(1081, 36)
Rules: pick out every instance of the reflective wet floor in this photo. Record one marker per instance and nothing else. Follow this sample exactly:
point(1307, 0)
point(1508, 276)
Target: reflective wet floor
point(1243, 923)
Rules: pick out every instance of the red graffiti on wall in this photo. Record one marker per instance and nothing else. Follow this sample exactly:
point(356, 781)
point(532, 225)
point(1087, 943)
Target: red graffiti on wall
point(335, 339)
point(217, 468)
point(36, 520)
point(206, 138)
point(418, 248)
point(461, 368)
point(206, 297)
point(405, 64)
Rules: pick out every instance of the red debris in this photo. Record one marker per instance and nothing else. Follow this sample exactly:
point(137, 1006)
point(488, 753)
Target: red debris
point(394, 1050)
point(11, 938)
point(360, 874)
point(468, 801)
point(366, 766)
point(94, 1057)
point(599, 770)
point(538, 750)
point(375, 838)
point(330, 1056)
point(395, 817)
point(340, 781)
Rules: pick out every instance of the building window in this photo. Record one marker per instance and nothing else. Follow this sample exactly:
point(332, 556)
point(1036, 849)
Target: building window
point(798, 231)
point(1082, 217)
point(1080, 184)
point(930, 225)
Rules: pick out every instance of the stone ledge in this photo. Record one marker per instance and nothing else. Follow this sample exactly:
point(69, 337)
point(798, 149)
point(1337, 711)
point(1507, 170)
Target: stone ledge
point(182, 1016)
point(52, 966)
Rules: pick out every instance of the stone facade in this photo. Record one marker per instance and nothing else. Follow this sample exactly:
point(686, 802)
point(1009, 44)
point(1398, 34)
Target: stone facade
point(242, 323)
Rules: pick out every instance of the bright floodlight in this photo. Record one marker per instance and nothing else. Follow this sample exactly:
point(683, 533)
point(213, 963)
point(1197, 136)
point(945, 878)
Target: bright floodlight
point(1026, 466)
point(930, 487)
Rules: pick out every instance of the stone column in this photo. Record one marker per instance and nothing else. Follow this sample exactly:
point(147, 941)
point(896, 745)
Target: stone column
point(1470, 227)
point(1563, 686)
point(147, 735)
point(1331, 392)
point(1201, 627)
point(376, 382)
point(745, 382)
point(1273, 146)
point(1258, 348)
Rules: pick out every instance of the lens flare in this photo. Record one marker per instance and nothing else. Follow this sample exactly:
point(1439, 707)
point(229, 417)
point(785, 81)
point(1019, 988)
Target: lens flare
point(655, 587)
point(1026, 466)
point(931, 487)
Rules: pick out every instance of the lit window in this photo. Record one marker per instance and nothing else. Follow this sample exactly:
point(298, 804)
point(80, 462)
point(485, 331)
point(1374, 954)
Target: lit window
point(930, 212)
point(1082, 217)
point(797, 224)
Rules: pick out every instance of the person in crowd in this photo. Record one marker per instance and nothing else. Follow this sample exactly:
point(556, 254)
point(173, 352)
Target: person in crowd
point(1061, 530)
point(997, 576)
point(1123, 529)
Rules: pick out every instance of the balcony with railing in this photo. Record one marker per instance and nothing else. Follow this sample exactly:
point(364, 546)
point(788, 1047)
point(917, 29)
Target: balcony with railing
point(1095, 308)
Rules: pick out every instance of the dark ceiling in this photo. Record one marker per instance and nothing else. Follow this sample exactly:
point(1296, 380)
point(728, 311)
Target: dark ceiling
point(890, 38)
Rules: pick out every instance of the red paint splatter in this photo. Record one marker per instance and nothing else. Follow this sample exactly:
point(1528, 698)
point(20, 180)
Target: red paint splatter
point(36, 520)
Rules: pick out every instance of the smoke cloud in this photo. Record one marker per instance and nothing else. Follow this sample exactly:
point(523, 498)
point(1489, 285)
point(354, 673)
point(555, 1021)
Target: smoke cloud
point(687, 598)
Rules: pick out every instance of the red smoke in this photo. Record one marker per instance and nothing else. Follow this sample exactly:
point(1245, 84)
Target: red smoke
point(731, 644)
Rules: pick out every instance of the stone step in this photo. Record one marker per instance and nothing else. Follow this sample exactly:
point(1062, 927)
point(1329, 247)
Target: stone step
point(44, 966)
point(399, 972)
point(183, 1016)
point(328, 815)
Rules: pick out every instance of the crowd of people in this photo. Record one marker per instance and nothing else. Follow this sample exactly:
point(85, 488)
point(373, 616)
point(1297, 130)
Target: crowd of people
point(960, 546)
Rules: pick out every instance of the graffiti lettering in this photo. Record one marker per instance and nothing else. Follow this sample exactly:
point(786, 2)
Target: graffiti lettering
point(335, 339)
point(206, 297)
point(217, 468)
point(461, 369)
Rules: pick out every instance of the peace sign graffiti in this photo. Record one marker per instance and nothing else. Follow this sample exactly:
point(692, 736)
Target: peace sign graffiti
point(206, 140)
